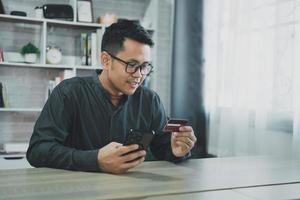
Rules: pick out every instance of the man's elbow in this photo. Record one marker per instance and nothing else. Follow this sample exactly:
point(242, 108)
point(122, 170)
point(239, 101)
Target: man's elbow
point(33, 158)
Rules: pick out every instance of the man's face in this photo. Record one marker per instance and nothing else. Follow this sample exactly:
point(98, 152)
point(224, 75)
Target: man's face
point(121, 82)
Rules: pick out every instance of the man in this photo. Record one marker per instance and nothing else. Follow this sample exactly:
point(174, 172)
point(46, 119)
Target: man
point(85, 120)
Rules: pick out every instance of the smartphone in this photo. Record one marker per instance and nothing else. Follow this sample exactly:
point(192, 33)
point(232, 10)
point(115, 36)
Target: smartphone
point(142, 138)
point(174, 124)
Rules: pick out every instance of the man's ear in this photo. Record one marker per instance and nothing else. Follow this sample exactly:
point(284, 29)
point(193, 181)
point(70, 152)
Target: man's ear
point(105, 60)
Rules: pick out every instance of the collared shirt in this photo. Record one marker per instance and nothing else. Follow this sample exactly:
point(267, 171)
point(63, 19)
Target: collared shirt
point(78, 119)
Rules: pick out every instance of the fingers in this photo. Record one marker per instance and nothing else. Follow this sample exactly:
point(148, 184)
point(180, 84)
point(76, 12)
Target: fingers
point(124, 167)
point(116, 158)
point(185, 129)
point(127, 149)
point(129, 165)
point(186, 140)
point(133, 156)
point(130, 161)
point(130, 154)
point(184, 145)
point(187, 132)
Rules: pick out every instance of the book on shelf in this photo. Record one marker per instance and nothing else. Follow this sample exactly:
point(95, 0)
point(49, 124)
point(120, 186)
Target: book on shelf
point(90, 45)
point(89, 49)
point(15, 147)
point(83, 48)
point(13, 57)
point(94, 49)
point(3, 96)
point(99, 33)
point(50, 88)
point(1, 55)
point(66, 74)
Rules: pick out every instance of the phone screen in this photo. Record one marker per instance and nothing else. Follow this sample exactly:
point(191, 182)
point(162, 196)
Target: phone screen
point(142, 138)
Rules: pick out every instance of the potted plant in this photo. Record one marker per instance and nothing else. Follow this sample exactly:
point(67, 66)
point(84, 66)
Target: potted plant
point(30, 53)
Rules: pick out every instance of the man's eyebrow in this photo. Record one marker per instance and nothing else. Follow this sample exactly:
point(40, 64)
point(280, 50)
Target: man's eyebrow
point(136, 61)
point(133, 60)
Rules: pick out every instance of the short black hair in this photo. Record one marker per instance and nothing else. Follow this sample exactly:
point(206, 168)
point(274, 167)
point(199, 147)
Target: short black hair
point(116, 34)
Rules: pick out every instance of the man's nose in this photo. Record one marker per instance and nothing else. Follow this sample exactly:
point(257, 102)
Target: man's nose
point(138, 73)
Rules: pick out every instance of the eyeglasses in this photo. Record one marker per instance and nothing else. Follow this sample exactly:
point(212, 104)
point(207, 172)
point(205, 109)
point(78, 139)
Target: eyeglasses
point(132, 67)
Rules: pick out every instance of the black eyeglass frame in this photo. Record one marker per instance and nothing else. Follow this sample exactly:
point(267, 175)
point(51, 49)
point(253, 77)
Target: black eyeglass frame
point(140, 67)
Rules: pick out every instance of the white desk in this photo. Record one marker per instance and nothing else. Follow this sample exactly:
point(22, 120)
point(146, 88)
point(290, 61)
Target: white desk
point(274, 192)
point(214, 177)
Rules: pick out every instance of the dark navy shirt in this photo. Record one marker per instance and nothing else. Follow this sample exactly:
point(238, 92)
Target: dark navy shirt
point(78, 119)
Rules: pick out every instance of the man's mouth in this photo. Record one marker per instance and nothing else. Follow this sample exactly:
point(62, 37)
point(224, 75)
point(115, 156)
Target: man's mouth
point(133, 84)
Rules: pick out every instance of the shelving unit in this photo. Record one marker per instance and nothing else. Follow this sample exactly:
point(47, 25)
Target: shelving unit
point(27, 83)
point(46, 26)
point(45, 32)
point(49, 31)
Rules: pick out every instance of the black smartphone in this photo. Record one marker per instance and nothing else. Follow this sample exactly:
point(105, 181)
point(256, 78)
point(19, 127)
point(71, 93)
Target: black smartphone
point(173, 125)
point(142, 138)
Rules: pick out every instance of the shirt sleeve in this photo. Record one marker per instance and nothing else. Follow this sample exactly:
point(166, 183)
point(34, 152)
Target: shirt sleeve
point(161, 143)
point(47, 144)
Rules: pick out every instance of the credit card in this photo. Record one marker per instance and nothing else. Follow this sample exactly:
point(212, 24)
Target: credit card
point(173, 125)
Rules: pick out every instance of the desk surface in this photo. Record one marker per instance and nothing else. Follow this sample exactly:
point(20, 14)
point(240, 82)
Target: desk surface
point(273, 192)
point(151, 179)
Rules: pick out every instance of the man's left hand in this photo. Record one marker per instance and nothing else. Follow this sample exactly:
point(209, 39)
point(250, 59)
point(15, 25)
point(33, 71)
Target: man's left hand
point(183, 141)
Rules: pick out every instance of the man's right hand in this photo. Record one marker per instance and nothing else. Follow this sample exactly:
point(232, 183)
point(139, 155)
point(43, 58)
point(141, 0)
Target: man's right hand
point(116, 158)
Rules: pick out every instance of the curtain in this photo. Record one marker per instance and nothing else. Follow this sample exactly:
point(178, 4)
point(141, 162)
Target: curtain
point(252, 76)
point(187, 70)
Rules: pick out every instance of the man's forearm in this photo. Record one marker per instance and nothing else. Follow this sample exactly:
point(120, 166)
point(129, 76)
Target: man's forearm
point(55, 155)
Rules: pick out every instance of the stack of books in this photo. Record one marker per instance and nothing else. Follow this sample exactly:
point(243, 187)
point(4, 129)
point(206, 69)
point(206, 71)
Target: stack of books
point(13, 150)
point(90, 48)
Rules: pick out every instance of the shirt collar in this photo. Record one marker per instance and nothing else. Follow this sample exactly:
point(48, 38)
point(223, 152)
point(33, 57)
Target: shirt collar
point(102, 89)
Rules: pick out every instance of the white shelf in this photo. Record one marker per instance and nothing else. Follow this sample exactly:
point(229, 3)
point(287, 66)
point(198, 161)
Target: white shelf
point(35, 65)
point(13, 18)
point(88, 67)
point(12, 155)
point(70, 23)
point(20, 109)
point(58, 66)
point(21, 19)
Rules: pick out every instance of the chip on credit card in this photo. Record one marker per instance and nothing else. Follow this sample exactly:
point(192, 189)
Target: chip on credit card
point(173, 125)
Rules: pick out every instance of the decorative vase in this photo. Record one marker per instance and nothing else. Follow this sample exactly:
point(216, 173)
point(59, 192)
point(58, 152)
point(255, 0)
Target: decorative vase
point(30, 57)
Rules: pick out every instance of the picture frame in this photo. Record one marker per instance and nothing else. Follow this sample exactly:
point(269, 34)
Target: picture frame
point(84, 11)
